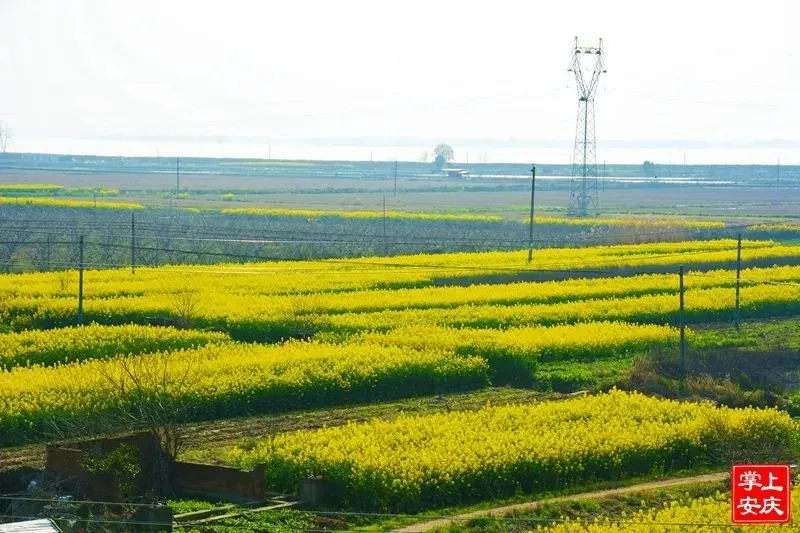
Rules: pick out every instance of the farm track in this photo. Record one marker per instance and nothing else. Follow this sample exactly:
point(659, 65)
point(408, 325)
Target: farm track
point(527, 506)
point(204, 436)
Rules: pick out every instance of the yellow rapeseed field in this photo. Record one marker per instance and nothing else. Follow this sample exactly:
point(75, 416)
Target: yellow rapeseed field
point(414, 462)
point(65, 345)
point(293, 277)
point(589, 340)
point(783, 226)
point(63, 202)
point(30, 187)
point(223, 380)
point(315, 213)
point(701, 305)
point(250, 305)
point(640, 221)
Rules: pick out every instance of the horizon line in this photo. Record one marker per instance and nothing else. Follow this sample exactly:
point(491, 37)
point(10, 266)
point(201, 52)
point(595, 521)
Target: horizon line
point(386, 161)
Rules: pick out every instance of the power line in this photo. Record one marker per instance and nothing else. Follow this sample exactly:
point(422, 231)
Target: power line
point(76, 518)
point(351, 514)
point(584, 521)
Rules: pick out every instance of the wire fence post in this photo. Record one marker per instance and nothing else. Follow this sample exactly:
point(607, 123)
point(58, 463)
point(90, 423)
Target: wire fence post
point(682, 325)
point(530, 228)
point(738, 277)
point(48, 251)
point(80, 280)
point(133, 243)
point(385, 242)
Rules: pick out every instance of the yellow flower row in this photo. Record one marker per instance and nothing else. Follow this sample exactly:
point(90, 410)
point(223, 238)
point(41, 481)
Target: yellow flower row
point(30, 187)
point(636, 221)
point(701, 305)
point(314, 213)
point(515, 354)
point(647, 298)
point(775, 227)
point(607, 221)
point(293, 277)
point(589, 340)
point(415, 462)
point(521, 293)
point(62, 202)
point(216, 381)
point(50, 347)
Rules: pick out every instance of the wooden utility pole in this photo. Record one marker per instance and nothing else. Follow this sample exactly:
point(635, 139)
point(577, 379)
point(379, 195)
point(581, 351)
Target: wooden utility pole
point(738, 276)
point(395, 178)
point(177, 175)
point(80, 280)
point(530, 228)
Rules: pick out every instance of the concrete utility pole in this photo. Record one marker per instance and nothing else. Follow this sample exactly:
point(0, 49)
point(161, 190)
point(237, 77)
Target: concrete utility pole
point(80, 280)
point(682, 328)
point(530, 228)
point(738, 275)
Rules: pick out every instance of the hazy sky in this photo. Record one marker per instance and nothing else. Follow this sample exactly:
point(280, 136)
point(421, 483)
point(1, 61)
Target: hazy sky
point(409, 72)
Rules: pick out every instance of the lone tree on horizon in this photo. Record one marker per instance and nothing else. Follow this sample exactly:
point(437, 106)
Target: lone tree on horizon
point(442, 154)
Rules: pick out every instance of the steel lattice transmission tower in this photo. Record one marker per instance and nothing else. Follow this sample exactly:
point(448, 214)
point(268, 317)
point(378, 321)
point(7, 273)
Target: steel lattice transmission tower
point(583, 199)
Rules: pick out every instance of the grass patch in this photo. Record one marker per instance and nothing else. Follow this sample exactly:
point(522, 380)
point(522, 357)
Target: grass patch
point(182, 506)
point(760, 334)
point(210, 439)
point(282, 521)
point(388, 523)
point(613, 507)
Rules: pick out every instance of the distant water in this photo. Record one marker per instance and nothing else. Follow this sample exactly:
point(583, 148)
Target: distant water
point(463, 153)
point(674, 180)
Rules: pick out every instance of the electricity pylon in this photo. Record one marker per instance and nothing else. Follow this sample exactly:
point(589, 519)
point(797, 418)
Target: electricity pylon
point(583, 199)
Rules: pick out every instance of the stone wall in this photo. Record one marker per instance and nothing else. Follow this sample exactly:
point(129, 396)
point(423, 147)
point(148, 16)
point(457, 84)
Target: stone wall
point(192, 478)
point(65, 461)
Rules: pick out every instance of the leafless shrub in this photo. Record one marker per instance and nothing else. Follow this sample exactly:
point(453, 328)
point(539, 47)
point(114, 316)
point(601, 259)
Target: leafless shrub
point(184, 305)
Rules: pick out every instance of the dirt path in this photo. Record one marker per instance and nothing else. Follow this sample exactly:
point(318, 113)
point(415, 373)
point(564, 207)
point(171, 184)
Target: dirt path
point(508, 509)
point(206, 435)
